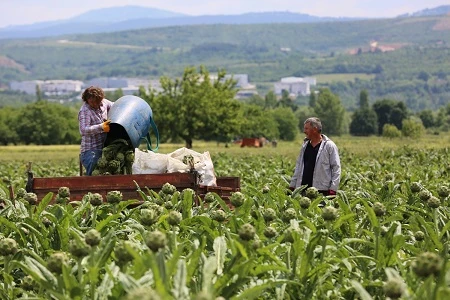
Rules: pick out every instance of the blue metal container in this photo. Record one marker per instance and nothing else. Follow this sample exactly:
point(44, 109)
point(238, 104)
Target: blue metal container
point(135, 116)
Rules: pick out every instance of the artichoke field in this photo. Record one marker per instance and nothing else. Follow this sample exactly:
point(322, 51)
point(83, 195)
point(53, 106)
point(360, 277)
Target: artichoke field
point(386, 234)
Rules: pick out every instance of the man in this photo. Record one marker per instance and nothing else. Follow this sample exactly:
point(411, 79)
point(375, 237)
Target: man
point(94, 126)
point(318, 164)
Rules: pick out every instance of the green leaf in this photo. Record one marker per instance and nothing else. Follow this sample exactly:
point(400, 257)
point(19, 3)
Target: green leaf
point(220, 249)
point(43, 204)
point(180, 290)
point(361, 290)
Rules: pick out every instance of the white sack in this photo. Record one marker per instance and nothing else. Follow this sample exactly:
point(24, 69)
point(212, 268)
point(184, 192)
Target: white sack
point(202, 164)
point(148, 162)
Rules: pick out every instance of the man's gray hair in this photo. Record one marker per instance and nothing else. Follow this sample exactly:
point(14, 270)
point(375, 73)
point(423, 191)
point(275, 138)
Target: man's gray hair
point(314, 122)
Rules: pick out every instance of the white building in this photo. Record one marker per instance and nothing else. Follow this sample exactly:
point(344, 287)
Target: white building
point(28, 87)
point(295, 85)
point(61, 87)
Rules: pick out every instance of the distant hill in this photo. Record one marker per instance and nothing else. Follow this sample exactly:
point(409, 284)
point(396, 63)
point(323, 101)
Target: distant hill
point(137, 17)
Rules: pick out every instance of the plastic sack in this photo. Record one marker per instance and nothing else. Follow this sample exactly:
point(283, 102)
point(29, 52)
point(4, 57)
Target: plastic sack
point(181, 160)
point(149, 162)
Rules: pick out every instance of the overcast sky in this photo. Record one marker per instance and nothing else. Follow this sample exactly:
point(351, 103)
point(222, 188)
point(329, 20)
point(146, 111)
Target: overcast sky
point(19, 12)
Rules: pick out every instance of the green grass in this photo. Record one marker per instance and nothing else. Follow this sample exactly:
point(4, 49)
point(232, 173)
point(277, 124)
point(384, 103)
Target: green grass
point(329, 78)
point(361, 146)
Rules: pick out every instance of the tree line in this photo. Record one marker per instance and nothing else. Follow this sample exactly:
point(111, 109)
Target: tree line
point(194, 107)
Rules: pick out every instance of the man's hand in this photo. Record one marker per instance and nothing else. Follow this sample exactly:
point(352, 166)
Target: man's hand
point(331, 193)
point(105, 126)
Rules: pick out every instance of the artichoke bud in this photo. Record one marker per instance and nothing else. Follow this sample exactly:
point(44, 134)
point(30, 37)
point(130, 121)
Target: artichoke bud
point(329, 213)
point(64, 192)
point(424, 194)
point(174, 218)
point(247, 232)
point(209, 197)
point(79, 249)
point(304, 202)
point(96, 199)
point(168, 188)
point(8, 246)
point(312, 192)
point(46, 222)
point(148, 216)
point(114, 197)
point(443, 191)
point(394, 288)
point(129, 156)
point(92, 237)
point(379, 209)
point(218, 215)
point(31, 198)
point(433, 202)
point(265, 189)
point(237, 199)
point(168, 204)
point(144, 293)
point(269, 214)
point(289, 214)
point(270, 232)
point(56, 261)
point(419, 235)
point(155, 240)
point(384, 230)
point(416, 187)
point(426, 264)
point(120, 157)
point(122, 253)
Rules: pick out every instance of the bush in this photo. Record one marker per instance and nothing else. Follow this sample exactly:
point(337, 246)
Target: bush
point(412, 127)
point(390, 131)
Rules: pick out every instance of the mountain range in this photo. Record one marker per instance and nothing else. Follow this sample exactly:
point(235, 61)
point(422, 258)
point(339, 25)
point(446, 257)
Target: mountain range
point(137, 17)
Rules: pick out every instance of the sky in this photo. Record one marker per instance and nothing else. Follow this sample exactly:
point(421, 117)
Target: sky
point(20, 12)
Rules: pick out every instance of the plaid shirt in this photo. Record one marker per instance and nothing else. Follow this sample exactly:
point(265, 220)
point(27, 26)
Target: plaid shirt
point(90, 121)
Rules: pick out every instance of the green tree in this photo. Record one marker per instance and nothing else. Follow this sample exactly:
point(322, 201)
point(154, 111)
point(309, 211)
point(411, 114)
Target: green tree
point(364, 122)
point(412, 127)
point(8, 122)
point(270, 100)
point(363, 99)
point(427, 118)
point(44, 123)
point(391, 131)
point(390, 112)
point(303, 113)
point(257, 122)
point(287, 123)
point(330, 111)
point(195, 107)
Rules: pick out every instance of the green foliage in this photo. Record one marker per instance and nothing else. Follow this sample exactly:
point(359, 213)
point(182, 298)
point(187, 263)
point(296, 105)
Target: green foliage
point(257, 122)
point(364, 122)
point(287, 123)
point(390, 112)
point(412, 127)
point(329, 110)
point(391, 131)
point(195, 107)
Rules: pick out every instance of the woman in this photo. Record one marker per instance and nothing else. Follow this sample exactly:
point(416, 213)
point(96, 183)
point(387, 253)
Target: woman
point(94, 126)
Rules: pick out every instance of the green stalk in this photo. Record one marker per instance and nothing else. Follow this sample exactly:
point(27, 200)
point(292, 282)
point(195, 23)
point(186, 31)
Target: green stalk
point(94, 216)
point(324, 244)
point(80, 271)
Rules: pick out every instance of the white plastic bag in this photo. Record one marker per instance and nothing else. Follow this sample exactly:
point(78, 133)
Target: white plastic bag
point(201, 161)
point(148, 162)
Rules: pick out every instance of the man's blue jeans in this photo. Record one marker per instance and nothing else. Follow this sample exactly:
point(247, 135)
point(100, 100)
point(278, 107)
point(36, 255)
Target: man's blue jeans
point(89, 160)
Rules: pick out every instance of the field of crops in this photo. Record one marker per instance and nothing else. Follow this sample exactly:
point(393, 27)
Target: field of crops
point(386, 234)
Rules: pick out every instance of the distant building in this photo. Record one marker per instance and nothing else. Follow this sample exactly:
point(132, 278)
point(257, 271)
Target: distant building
point(48, 87)
point(61, 87)
point(28, 87)
point(294, 85)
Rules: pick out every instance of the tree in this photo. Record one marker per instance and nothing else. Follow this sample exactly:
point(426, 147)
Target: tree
point(8, 121)
point(270, 100)
point(330, 111)
point(390, 112)
point(412, 127)
point(363, 99)
point(364, 122)
point(427, 118)
point(390, 131)
point(256, 122)
point(44, 123)
point(287, 123)
point(195, 107)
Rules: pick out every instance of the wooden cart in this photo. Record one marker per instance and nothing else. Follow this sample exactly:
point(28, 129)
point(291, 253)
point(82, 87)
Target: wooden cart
point(128, 184)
